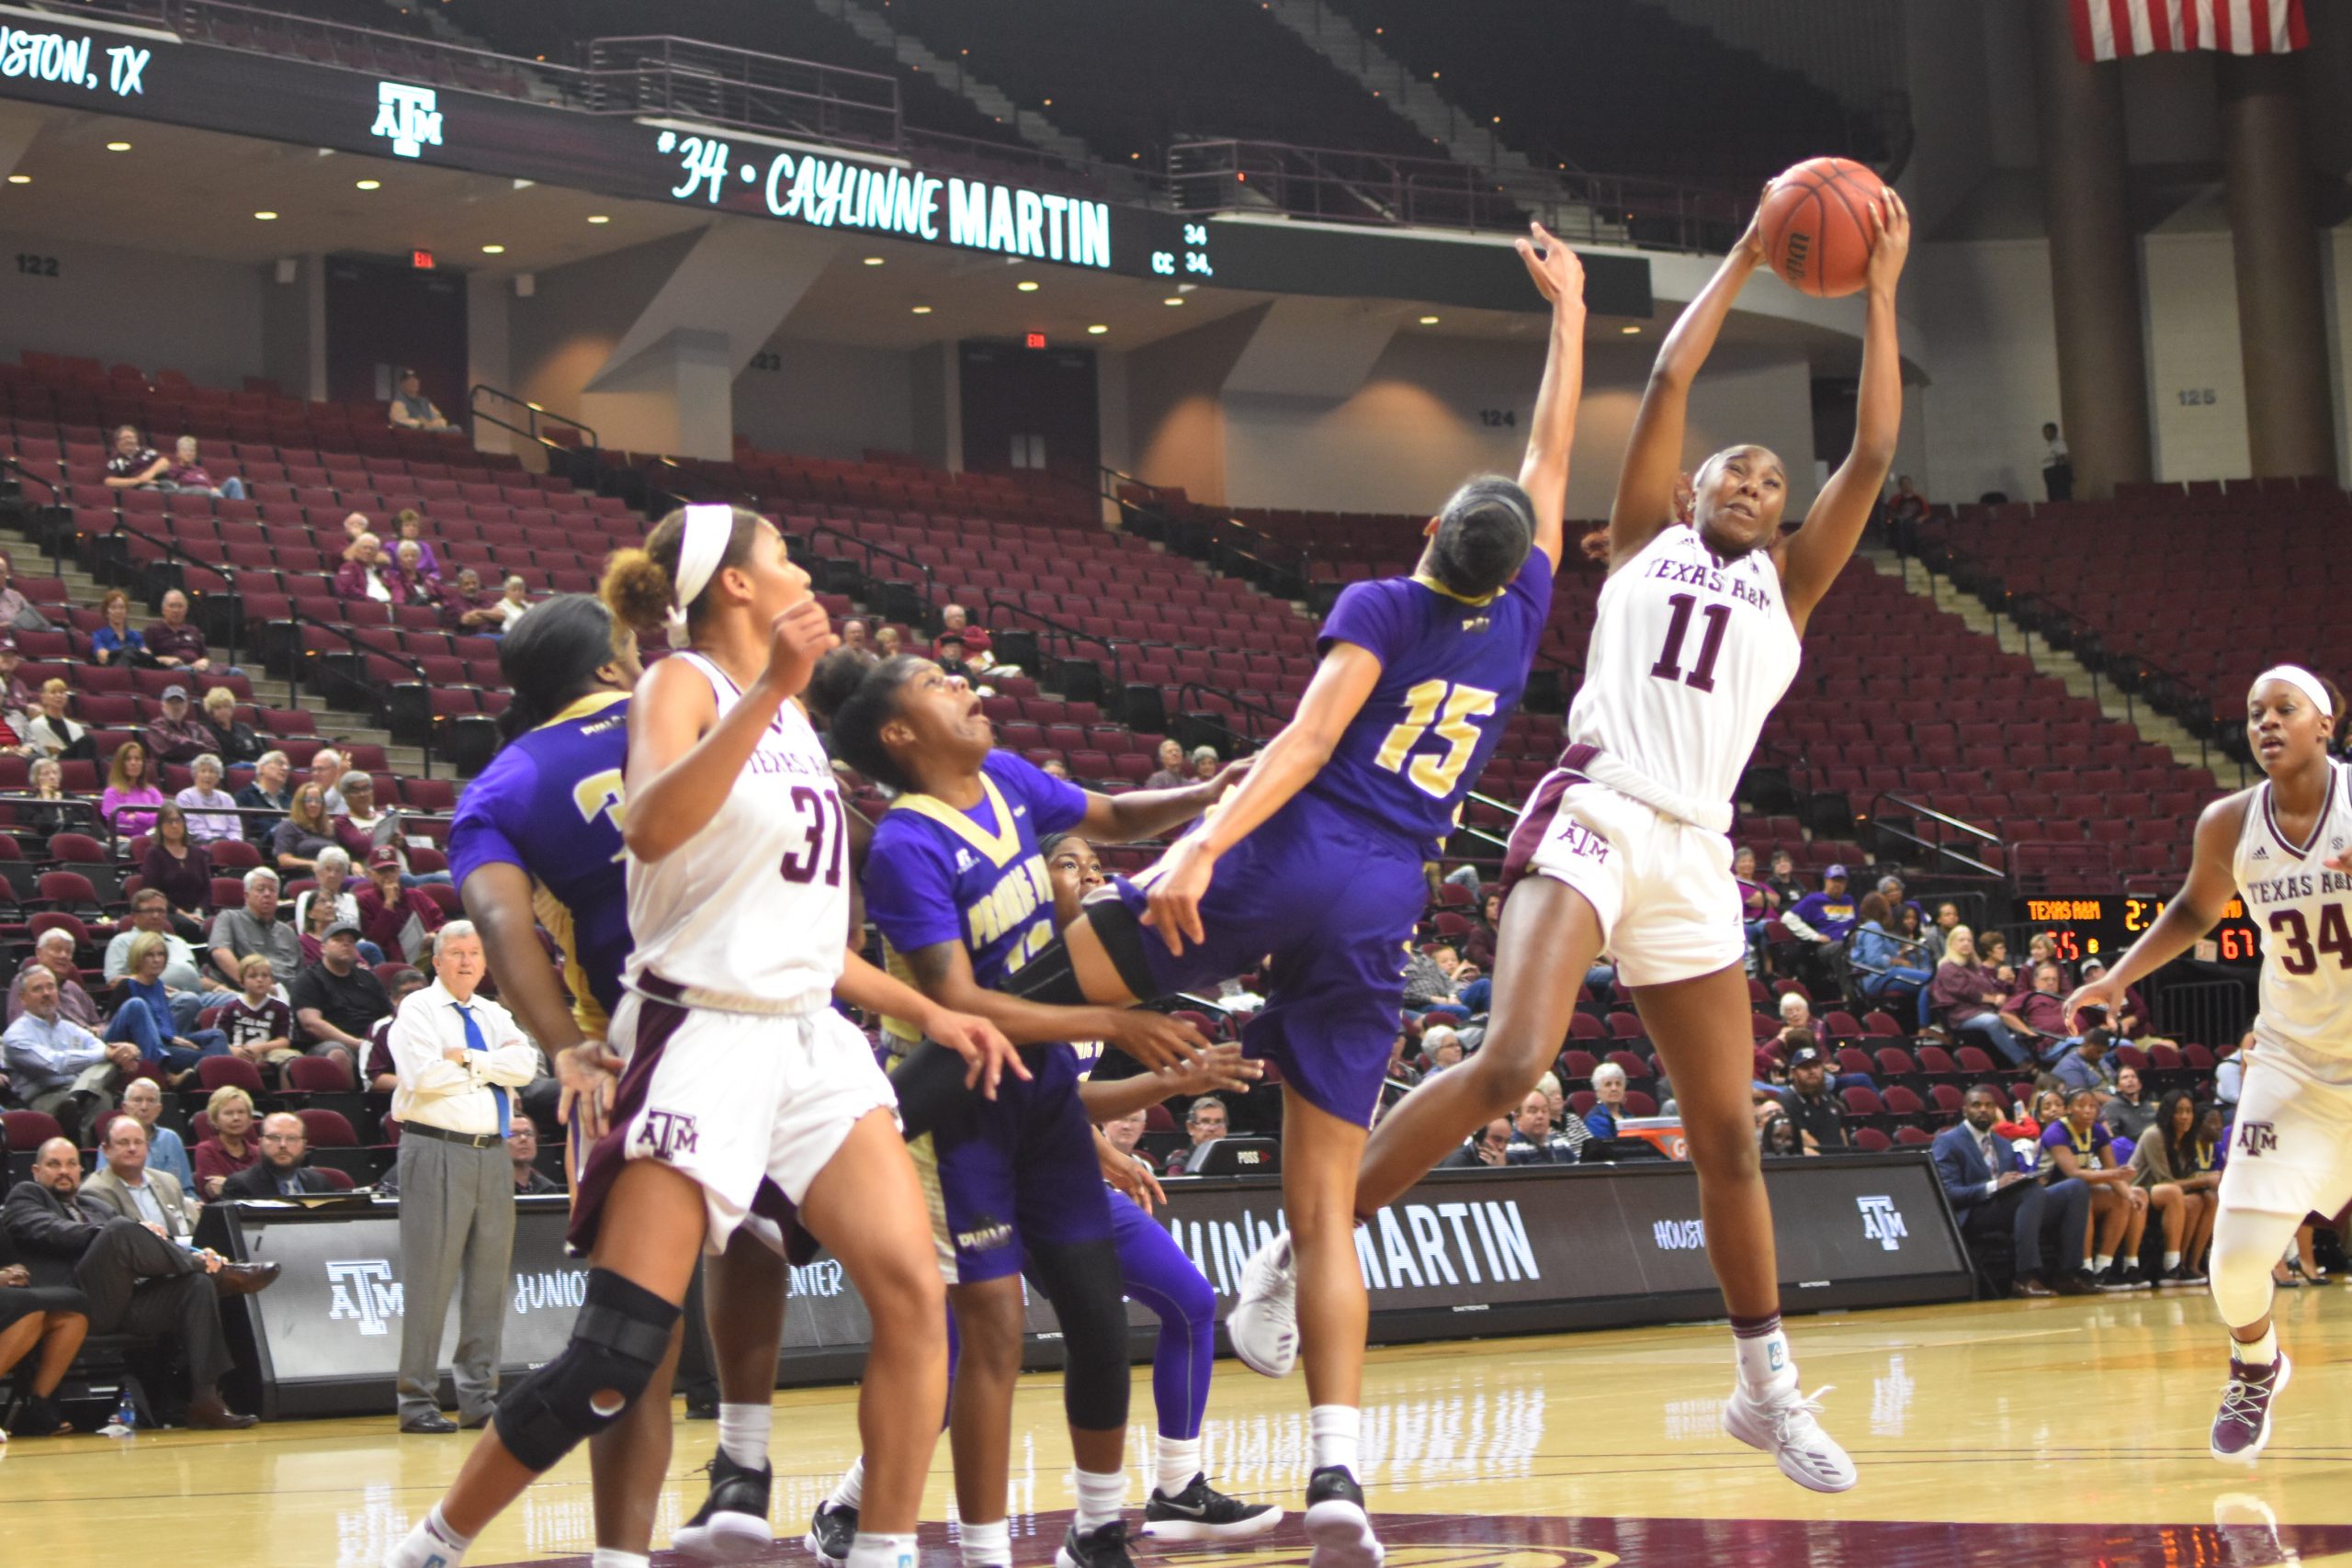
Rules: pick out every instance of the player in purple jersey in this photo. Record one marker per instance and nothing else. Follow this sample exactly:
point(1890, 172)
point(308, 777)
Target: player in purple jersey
point(1316, 859)
point(1625, 855)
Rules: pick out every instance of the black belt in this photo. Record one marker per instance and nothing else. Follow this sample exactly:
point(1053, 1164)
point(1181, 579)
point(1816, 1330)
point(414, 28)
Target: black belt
point(470, 1140)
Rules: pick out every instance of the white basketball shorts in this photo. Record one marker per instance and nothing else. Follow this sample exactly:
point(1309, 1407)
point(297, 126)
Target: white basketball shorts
point(2290, 1147)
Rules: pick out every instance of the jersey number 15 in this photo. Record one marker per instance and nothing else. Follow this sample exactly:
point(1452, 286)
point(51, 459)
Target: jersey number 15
point(1449, 710)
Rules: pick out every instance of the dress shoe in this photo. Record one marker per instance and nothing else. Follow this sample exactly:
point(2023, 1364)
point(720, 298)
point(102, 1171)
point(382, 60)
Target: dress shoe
point(2032, 1287)
point(243, 1278)
point(209, 1414)
point(431, 1424)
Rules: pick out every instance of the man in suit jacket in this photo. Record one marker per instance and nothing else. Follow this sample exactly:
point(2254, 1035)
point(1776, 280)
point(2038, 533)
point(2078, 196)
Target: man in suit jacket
point(138, 1281)
point(280, 1173)
point(126, 1188)
point(1991, 1190)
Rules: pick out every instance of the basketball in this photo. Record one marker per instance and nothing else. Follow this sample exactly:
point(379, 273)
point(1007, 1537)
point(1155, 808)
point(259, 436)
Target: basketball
point(1816, 225)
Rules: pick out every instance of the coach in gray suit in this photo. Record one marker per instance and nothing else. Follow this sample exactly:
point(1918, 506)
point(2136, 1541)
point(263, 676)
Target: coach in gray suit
point(459, 1059)
point(125, 1186)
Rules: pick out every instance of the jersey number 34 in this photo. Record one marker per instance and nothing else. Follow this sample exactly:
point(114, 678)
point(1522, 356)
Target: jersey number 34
point(2294, 940)
point(1450, 710)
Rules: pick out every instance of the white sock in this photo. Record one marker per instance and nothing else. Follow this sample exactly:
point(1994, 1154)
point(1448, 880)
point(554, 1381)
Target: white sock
point(2172, 1261)
point(2262, 1352)
point(743, 1433)
point(605, 1557)
point(989, 1545)
point(1178, 1462)
point(871, 1550)
point(1334, 1430)
point(432, 1541)
point(850, 1490)
point(2102, 1262)
point(1100, 1497)
point(1763, 1355)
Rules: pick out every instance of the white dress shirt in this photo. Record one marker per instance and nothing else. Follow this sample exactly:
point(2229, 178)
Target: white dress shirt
point(438, 1092)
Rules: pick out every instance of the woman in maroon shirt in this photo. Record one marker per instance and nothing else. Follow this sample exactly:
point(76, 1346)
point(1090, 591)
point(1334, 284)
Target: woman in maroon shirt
point(178, 868)
point(231, 1147)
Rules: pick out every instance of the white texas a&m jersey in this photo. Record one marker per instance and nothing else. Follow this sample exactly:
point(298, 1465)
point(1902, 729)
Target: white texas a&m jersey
point(2305, 913)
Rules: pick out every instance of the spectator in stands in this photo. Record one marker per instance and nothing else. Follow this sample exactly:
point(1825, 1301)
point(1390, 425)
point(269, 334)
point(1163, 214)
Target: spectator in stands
point(1783, 880)
point(175, 643)
point(117, 642)
point(887, 643)
point(17, 613)
point(142, 983)
point(1490, 1147)
point(306, 831)
point(1446, 1052)
point(58, 1067)
point(1965, 1000)
point(2131, 1019)
point(283, 1170)
point(53, 951)
point(530, 1181)
point(1608, 1100)
point(1205, 763)
point(1479, 943)
point(134, 465)
point(338, 1000)
point(150, 912)
point(411, 410)
point(853, 633)
point(211, 810)
point(230, 1148)
point(382, 1076)
point(130, 787)
point(1429, 982)
point(239, 934)
point(1936, 935)
point(185, 473)
point(1400, 1068)
point(362, 830)
point(398, 922)
point(2183, 1187)
point(238, 741)
point(947, 647)
point(1776, 1135)
point(1822, 921)
point(1531, 1136)
point(1898, 897)
point(1204, 1123)
point(468, 610)
point(1993, 952)
point(2081, 1149)
point(2229, 1076)
point(143, 1100)
point(52, 734)
point(258, 1024)
point(331, 875)
point(1799, 1025)
point(514, 603)
point(1812, 1109)
point(1758, 903)
point(48, 784)
point(266, 790)
point(313, 921)
point(135, 1281)
point(2042, 948)
point(2057, 465)
point(1887, 969)
point(2089, 1065)
point(180, 869)
point(408, 523)
point(411, 584)
point(19, 702)
point(1170, 773)
point(364, 574)
point(956, 621)
point(1994, 1191)
point(1907, 505)
point(2039, 1016)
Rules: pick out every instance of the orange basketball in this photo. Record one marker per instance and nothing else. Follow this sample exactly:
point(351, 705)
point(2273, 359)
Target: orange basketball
point(1816, 225)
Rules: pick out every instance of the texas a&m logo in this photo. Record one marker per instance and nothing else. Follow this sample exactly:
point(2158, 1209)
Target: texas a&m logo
point(2257, 1138)
point(667, 1133)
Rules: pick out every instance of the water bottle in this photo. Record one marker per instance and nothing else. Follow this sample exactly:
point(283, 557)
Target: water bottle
point(126, 1418)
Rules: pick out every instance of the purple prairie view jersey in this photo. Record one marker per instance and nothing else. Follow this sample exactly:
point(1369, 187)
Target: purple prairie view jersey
point(550, 802)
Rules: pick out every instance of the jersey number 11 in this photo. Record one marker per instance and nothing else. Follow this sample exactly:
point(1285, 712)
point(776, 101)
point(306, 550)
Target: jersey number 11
point(1668, 667)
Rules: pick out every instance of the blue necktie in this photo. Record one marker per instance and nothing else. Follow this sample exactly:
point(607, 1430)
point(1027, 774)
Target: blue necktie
point(474, 1042)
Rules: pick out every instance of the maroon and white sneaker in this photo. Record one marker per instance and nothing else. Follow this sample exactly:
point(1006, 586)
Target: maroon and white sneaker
point(2242, 1426)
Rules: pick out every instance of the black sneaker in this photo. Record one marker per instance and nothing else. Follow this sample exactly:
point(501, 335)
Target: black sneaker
point(832, 1531)
point(1201, 1513)
point(2117, 1278)
point(1336, 1522)
point(1104, 1546)
point(2076, 1282)
point(2190, 1274)
point(732, 1525)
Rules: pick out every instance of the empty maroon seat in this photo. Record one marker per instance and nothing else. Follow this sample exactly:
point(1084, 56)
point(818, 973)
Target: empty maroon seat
point(328, 1129)
point(230, 1072)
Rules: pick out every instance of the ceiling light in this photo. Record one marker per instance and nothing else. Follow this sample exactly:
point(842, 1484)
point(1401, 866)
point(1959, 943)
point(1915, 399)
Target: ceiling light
point(1630, 330)
point(1429, 320)
point(493, 250)
point(873, 261)
point(20, 179)
point(922, 309)
point(1173, 300)
point(266, 216)
point(598, 217)
point(1097, 329)
point(369, 185)
point(118, 146)
point(1027, 285)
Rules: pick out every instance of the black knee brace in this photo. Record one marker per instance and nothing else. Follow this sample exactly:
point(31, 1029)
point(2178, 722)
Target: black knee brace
point(1049, 978)
point(928, 1081)
point(1087, 1290)
point(617, 1343)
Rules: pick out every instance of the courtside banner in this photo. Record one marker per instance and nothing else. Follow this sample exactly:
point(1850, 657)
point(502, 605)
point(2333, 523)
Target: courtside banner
point(1466, 1253)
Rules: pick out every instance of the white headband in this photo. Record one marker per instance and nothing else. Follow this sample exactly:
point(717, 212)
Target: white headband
point(704, 545)
point(2303, 681)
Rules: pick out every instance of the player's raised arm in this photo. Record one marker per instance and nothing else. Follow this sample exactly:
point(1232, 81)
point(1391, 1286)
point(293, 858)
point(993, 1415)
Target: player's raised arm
point(1544, 473)
point(1653, 471)
point(2193, 911)
point(1819, 551)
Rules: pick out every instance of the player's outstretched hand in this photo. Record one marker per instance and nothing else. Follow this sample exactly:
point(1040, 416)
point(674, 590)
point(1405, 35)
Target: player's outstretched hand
point(986, 1052)
point(1174, 897)
point(800, 637)
point(1159, 1041)
point(1130, 1176)
point(2102, 992)
point(1231, 775)
point(588, 1073)
point(1891, 245)
point(1216, 1070)
point(1557, 272)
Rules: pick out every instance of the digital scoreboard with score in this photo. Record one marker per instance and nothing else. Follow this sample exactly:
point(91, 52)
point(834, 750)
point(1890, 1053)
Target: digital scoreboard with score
point(2105, 925)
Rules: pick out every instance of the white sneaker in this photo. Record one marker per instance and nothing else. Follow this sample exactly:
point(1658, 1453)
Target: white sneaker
point(1263, 1324)
point(1781, 1423)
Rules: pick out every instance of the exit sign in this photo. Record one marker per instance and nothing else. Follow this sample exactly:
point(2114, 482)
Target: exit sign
point(421, 260)
point(1034, 340)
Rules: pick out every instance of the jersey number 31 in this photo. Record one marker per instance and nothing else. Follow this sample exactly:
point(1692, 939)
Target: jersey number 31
point(1449, 710)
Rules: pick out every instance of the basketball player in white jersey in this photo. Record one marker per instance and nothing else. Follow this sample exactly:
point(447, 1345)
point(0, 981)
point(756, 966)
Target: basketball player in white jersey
point(1624, 845)
point(747, 1102)
point(2286, 845)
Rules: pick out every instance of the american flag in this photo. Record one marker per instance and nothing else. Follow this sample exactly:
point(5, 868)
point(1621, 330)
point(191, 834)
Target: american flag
point(2109, 29)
